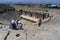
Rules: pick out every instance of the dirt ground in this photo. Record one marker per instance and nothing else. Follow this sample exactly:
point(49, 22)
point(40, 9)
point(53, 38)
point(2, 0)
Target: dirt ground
point(47, 31)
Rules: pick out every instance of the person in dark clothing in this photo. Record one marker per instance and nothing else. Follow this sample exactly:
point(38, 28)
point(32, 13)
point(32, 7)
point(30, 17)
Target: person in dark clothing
point(13, 25)
point(21, 12)
point(43, 16)
point(39, 22)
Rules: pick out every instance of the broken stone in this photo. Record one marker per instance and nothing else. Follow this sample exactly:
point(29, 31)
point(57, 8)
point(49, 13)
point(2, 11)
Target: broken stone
point(17, 35)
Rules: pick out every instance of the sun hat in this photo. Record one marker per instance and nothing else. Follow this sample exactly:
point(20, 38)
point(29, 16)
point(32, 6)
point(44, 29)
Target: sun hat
point(19, 21)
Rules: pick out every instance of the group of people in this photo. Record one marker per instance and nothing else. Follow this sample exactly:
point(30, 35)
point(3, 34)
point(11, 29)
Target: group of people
point(16, 25)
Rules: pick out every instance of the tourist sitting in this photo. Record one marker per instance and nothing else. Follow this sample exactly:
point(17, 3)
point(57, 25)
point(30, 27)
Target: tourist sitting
point(19, 25)
point(13, 25)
